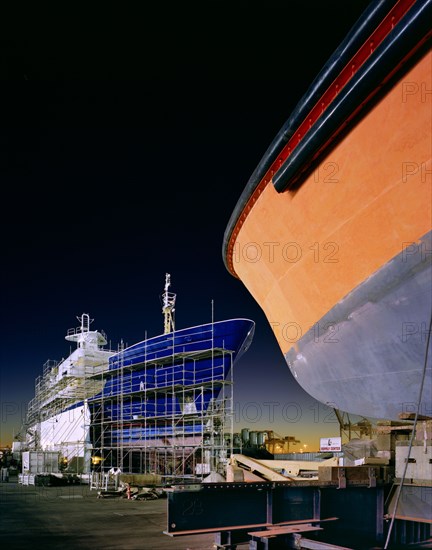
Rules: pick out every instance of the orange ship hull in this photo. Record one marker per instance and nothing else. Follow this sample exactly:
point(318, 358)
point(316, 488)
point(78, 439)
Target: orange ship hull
point(337, 250)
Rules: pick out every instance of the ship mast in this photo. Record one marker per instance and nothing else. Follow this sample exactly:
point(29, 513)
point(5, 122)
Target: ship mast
point(84, 337)
point(168, 301)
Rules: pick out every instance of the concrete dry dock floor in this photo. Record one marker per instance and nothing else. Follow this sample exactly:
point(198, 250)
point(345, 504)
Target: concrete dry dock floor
point(72, 517)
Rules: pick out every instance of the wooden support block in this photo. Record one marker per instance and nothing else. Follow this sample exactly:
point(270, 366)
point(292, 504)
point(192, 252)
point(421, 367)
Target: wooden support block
point(272, 531)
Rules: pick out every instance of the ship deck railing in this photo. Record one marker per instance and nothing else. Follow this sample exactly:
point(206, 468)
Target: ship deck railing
point(169, 359)
point(163, 390)
point(159, 419)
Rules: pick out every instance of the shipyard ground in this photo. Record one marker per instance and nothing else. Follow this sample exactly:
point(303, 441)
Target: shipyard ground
point(72, 517)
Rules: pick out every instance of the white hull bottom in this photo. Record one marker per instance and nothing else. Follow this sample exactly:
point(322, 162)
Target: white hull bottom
point(67, 433)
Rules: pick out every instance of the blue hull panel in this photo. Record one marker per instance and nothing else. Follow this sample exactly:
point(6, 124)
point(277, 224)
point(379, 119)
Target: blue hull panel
point(139, 391)
point(229, 335)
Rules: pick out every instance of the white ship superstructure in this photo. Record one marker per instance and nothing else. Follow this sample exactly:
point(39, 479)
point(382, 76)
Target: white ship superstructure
point(58, 417)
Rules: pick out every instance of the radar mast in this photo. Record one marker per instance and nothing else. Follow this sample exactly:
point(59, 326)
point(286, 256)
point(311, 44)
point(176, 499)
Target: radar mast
point(168, 301)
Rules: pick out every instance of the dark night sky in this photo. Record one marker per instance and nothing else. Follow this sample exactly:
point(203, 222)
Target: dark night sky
point(127, 137)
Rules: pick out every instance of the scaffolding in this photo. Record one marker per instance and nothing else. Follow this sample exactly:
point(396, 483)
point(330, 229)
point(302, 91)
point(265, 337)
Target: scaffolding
point(58, 417)
point(172, 417)
point(163, 406)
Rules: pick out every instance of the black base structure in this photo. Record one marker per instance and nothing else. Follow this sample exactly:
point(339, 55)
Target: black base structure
point(348, 511)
